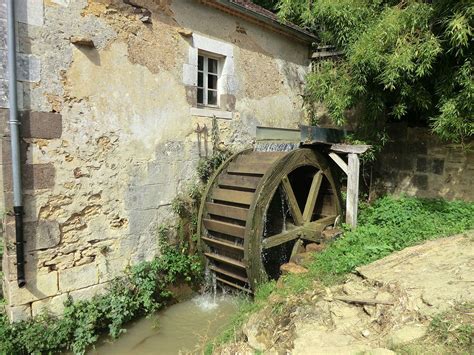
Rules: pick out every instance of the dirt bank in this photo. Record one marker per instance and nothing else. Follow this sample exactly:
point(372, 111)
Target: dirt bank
point(385, 305)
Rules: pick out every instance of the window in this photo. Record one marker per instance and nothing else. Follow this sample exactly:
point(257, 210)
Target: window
point(208, 76)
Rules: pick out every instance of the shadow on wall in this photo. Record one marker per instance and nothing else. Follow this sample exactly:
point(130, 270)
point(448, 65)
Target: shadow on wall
point(418, 163)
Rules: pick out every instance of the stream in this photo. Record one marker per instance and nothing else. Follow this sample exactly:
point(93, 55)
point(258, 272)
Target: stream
point(180, 329)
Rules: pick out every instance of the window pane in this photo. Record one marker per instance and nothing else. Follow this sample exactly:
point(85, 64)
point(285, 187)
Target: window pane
point(200, 79)
point(212, 81)
point(200, 98)
point(211, 97)
point(212, 65)
point(200, 62)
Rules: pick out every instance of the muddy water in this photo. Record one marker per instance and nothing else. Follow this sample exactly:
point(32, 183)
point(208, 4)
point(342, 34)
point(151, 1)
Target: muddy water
point(180, 329)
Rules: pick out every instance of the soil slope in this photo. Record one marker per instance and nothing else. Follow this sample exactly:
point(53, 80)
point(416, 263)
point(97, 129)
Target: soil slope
point(383, 305)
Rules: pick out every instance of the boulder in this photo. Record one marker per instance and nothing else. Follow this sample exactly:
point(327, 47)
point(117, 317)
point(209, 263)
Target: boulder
point(292, 268)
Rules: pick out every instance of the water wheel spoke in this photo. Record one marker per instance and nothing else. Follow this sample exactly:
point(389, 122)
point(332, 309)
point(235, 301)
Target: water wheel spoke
point(309, 231)
point(281, 238)
point(312, 196)
point(292, 202)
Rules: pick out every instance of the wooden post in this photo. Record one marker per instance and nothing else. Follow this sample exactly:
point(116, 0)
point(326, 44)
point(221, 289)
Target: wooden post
point(352, 171)
point(352, 198)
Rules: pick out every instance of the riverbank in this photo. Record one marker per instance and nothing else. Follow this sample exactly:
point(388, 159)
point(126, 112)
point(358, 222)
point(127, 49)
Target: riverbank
point(318, 302)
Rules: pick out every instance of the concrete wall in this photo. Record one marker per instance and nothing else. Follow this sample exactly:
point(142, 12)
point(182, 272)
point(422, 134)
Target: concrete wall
point(108, 130)
point(418, 163)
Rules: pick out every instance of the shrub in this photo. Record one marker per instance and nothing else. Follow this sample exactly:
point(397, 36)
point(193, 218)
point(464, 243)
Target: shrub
point(144, 289)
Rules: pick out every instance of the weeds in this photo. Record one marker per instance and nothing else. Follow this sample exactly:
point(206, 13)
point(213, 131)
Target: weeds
point(144, 289)
point(451, 332)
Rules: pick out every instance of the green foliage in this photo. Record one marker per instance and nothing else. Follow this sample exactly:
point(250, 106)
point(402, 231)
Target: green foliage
point(389, 225)
point(143, 290)
point(455, 328)
point(402, 59)
point(207, 166)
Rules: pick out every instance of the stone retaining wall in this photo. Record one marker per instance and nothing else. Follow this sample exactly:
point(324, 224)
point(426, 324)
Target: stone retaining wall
point(418, 163)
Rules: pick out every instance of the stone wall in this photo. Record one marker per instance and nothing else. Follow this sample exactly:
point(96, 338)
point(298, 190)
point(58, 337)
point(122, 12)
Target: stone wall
point(418, 163)
point(108, 124)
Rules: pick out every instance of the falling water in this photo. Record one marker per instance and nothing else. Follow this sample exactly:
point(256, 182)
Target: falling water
point(265, 146)
point(283, 209)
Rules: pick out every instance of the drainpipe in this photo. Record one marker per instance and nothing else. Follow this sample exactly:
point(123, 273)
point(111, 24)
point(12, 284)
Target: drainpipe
point(15, 143)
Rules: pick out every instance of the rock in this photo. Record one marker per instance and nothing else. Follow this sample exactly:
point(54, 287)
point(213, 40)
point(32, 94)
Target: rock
point(407, 334)
point(314, 247)
point(333, 233)
point(303, 259)
point(365, 333)
point(384, 297)
point(185, 32)
point(257, 338)
point(292, 268)
point(82, 41)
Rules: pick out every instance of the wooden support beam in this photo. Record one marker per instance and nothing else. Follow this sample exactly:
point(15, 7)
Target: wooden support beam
point(352, 198)
point(350, 148)
point(341, 163)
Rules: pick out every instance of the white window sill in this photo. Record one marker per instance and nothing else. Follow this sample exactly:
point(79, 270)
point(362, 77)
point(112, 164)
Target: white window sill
point(208, 112)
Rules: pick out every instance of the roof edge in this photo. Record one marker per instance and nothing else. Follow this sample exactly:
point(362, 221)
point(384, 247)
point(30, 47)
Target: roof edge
point(299, 34)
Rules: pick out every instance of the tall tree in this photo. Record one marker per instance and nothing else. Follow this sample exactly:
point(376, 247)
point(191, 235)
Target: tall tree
point(404, 59)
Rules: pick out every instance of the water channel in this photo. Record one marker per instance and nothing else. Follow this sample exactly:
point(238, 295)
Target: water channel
point(183, 328)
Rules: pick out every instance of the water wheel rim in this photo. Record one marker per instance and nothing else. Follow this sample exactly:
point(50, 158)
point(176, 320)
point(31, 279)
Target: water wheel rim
point(263, 195)
point(248, 231)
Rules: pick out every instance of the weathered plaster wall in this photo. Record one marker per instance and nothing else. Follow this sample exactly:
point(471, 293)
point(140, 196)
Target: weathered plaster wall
point(108, 135)
point(418, 163)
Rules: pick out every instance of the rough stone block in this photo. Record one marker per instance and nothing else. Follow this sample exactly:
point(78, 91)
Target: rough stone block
point(34, 176)
point(437, 166)
point(417, 147)
point(46, 125)
point(422, 164)
point(42, 235)
point(18, 313)
point(4, 116)
point(420, 182)
point(227, 102)
point(191, 95)
point(28, 68)
point(89, 292)
point(43, 286)
point(109, 269)
point(51, 305)
point(30, 12)
point(141, 221)
point(7, 151)
point(78, 277)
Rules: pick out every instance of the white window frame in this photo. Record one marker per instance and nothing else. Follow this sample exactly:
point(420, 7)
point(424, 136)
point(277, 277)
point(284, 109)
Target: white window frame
point(226, 84)
point(205, 73)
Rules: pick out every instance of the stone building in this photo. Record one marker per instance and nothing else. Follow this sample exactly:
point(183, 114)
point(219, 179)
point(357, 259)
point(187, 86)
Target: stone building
point(111, 93)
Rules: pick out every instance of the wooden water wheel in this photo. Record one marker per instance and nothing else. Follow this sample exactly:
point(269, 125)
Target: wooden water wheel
point(255, 208)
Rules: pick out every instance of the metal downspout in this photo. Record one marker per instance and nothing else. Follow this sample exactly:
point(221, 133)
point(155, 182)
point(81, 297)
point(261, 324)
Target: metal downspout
point(15, 143)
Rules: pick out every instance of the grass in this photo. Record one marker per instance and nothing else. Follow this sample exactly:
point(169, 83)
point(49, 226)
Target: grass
point(450, 332)
point(388, 225)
